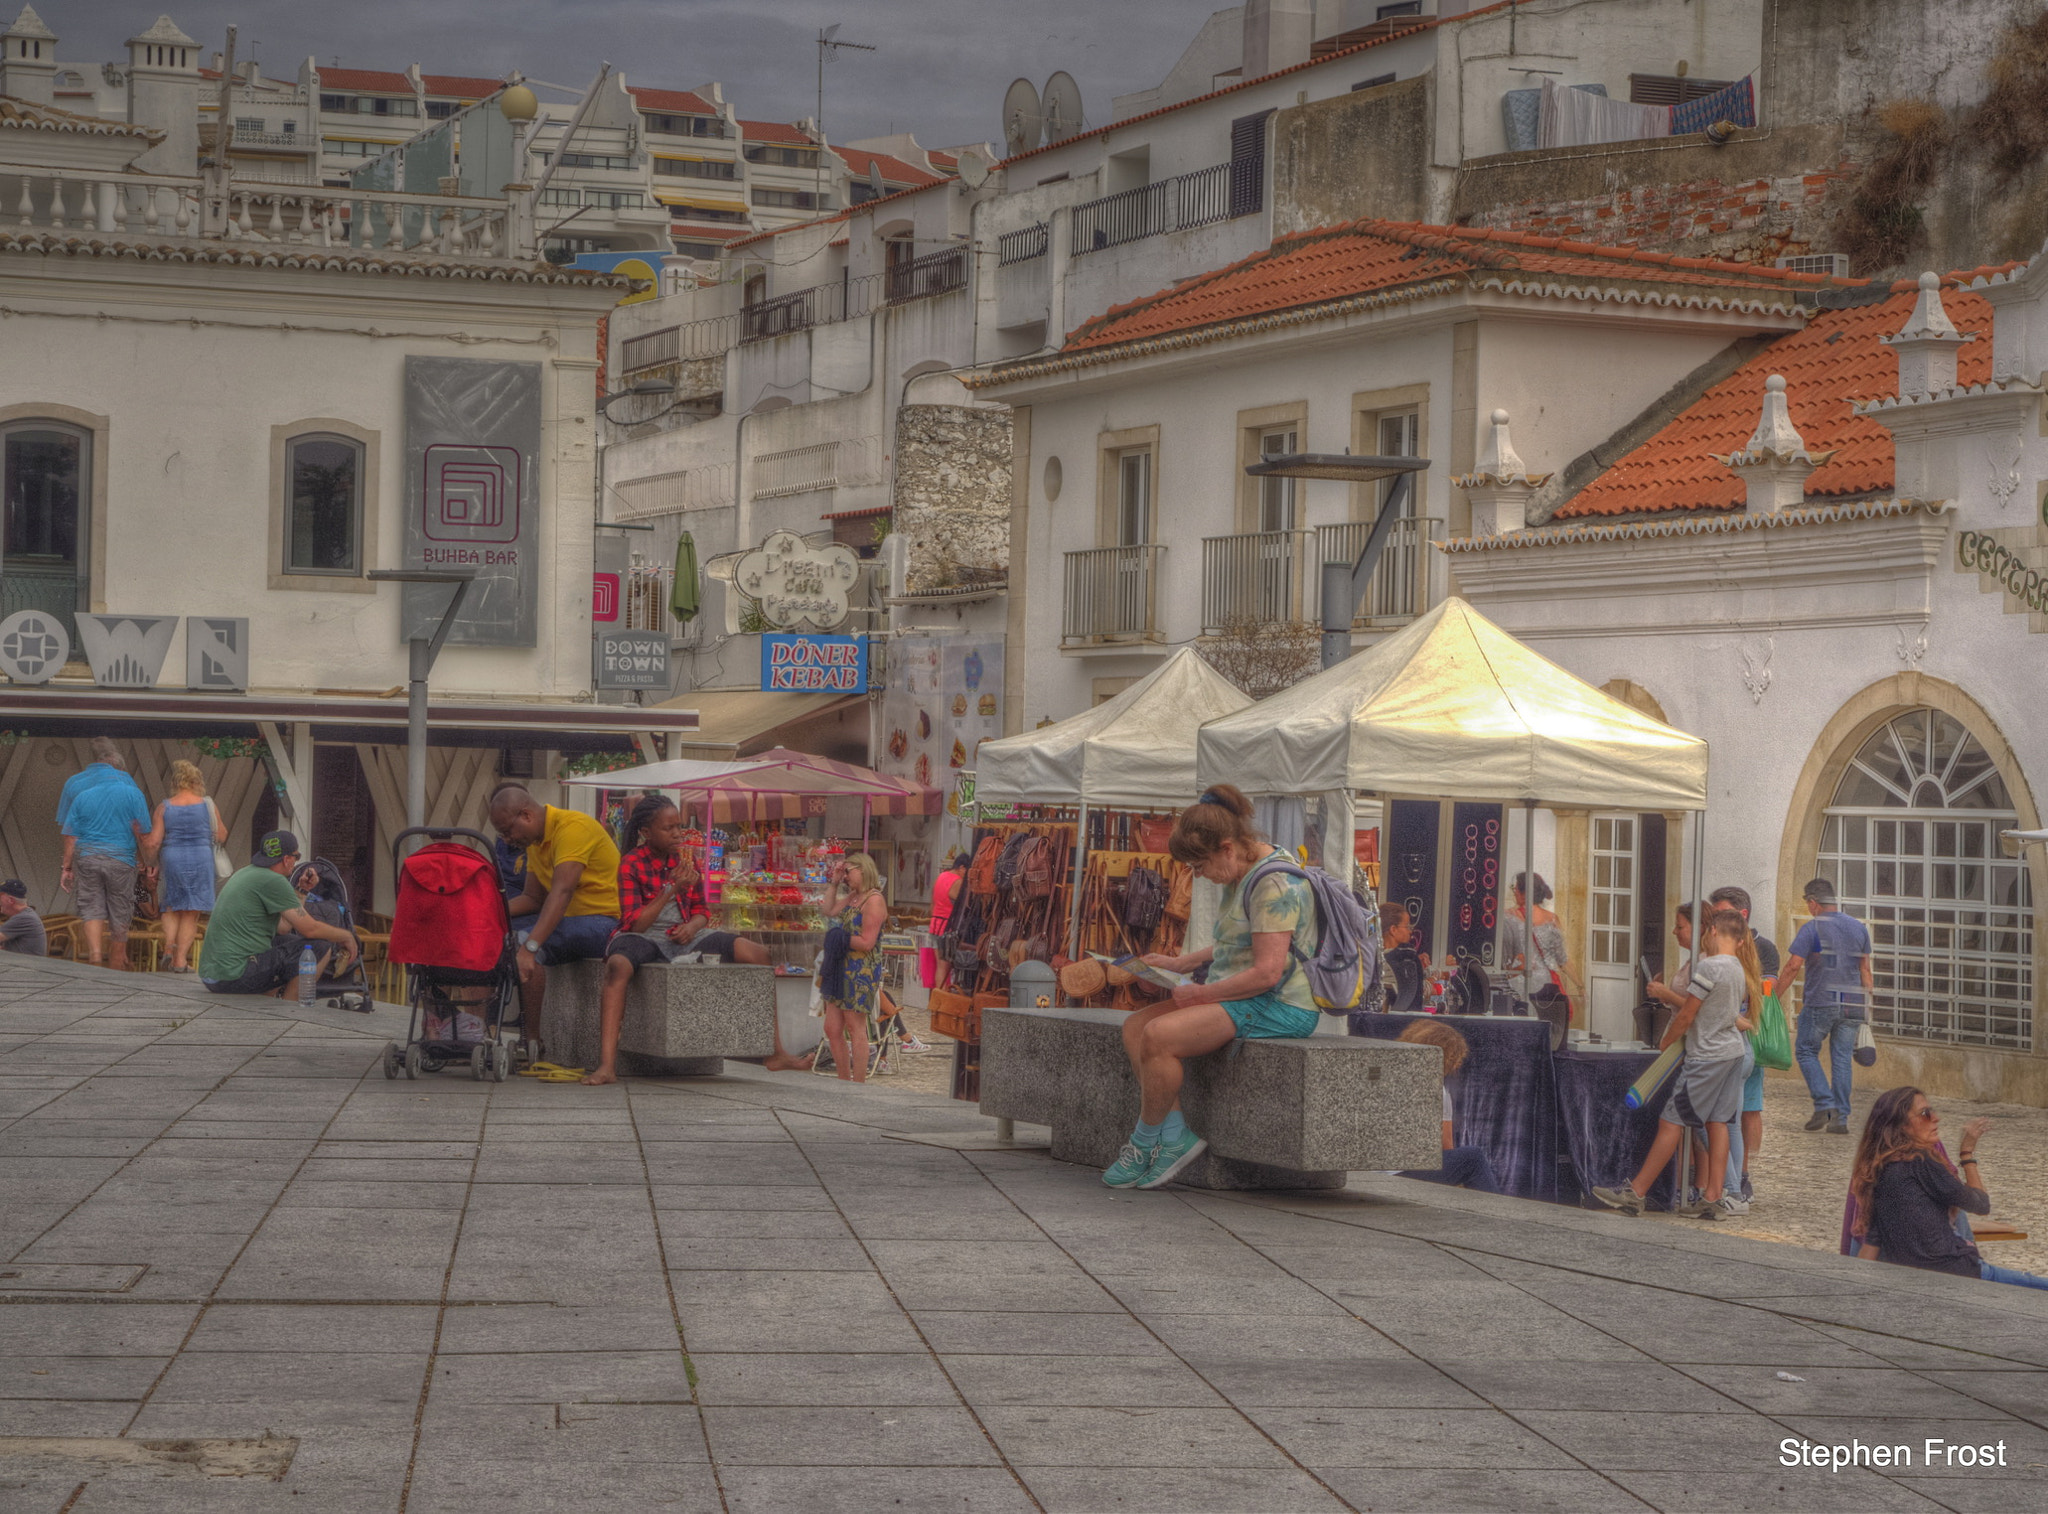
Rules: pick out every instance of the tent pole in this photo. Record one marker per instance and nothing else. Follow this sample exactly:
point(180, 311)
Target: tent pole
point(867, 810)
point(1074, 904)
point(1699, 884)
point(1528, 891)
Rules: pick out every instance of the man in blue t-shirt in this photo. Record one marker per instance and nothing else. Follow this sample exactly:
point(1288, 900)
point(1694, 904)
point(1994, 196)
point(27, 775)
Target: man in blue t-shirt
point(104, 830)
point(1834, 948)
point(106, 767)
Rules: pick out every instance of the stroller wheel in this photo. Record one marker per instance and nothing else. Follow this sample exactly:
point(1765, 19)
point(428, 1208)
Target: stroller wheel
point(479, 1055)
point(393, 1059)
point(412, 1061)
point(501, 1061)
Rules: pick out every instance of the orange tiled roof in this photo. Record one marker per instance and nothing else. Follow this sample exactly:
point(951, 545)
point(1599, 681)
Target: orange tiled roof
point(457, 85)
point(775, 131)
point(894, 169)
point(1836, 363)
point(1337, 262)
point(678, 101)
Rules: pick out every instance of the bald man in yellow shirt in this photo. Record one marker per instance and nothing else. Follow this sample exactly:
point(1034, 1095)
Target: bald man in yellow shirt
point(570, 908)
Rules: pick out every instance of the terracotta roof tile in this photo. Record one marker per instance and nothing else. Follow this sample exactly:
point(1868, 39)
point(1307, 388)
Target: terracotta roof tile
point(33, 117)
point(1834, 364)
point(894, 169)
point(682, 101)
point(1338, 262)
point(459, 86)
point(775, 131)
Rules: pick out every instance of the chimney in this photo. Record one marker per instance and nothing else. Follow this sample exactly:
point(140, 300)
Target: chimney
point(1499, 487)
point(1774, 466)
point(1277, 35)
point(28, 59)
point(163, 91)
point(1926, 345)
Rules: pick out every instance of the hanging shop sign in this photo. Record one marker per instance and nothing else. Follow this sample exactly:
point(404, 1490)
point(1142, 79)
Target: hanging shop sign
point(126, 651)
point(797, 585)
point(1983, 552)
point(815, 664)
point(604, 597)
point(630, 659)
point(34, 646)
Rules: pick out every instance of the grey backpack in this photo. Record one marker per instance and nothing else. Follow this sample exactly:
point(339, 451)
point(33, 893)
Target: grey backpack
point(1344, 970)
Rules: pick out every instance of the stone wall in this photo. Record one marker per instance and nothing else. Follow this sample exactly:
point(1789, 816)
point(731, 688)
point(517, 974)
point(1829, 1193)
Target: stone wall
point(952, 495)
point(1356, 156)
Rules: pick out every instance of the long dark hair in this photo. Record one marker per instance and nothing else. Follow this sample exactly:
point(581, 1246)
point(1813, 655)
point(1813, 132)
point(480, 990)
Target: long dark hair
point(634, 832)
point(1888, 1136)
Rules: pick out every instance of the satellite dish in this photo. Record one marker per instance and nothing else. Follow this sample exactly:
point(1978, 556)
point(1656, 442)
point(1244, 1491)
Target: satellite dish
point(974, 167)
point(875, 179)
point(1023, 118)
point(1062, 106)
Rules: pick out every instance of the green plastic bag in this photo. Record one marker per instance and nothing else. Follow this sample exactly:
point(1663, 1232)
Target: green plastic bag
point(1773, 1038)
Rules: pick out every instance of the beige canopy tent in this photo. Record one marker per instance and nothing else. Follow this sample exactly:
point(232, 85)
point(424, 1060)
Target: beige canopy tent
point(1134, 752)
point(1453, 706)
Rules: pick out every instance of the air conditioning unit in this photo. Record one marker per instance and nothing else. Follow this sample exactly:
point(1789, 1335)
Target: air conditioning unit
point(1836, 263)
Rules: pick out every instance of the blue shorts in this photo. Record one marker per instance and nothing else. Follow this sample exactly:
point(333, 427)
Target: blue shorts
point(1270, 1016)
point(574, 939)
point(1753, 1090)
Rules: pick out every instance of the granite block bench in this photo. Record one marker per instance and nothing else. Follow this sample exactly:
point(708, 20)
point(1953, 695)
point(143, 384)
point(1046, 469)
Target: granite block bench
point(682, 1019)
point(1277, 1114)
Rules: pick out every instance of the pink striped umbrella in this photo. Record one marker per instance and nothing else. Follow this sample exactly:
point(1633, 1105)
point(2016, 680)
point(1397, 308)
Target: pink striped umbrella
point(779, 784)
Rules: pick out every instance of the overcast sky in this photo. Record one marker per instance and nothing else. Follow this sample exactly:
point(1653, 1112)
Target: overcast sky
point(941, 70)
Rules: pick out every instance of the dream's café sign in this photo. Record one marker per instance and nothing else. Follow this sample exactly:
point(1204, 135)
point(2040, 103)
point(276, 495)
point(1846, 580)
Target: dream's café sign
point(815, 664)
point(799, 586)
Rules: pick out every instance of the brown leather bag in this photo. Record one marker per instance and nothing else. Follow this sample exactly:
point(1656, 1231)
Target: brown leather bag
point(981, 872)
point(1153, 832)
point(953, 1015)
point(1180, 894)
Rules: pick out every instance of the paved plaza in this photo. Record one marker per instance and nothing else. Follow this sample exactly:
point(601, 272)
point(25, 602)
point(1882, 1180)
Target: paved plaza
point(241, 1270)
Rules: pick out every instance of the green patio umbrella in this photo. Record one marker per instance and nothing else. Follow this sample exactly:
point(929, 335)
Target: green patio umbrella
point(682, 598)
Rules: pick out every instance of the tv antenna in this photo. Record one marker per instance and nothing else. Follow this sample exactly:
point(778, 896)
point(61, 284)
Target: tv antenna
point(1062, 107)
point(1023, 118)
point(828, 47)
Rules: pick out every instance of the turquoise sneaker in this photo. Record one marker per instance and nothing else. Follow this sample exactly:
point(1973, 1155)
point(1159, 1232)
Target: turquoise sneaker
point(1169, 1157)
point(1130, 1166)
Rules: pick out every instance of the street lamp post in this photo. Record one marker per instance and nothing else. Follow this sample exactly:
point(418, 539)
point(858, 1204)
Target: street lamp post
point(423, 650)
point(1344, 586)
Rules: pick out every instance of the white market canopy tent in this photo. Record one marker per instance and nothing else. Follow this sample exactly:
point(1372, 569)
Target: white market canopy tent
point(1135, 751)
point(1454, 707)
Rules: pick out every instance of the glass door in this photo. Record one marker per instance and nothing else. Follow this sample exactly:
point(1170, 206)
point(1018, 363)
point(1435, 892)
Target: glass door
point(43, 473)
point(1612, 927)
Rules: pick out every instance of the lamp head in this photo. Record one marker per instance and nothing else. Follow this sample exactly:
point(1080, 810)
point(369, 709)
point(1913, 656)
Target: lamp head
point(518, 104)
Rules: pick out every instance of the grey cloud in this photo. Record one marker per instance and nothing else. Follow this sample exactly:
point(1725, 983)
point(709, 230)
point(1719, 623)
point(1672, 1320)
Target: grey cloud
point(940, 72)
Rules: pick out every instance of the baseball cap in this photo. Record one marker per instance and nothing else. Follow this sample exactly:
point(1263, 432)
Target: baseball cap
point(15, 887)
point(1820, 891)
point(275, 847)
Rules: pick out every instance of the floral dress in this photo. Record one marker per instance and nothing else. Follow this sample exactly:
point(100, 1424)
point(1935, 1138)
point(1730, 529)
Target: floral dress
point(863, 973)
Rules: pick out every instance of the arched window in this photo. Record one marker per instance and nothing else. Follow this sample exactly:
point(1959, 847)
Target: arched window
point(45, 493)
point(323, 505)
point(1911, 842)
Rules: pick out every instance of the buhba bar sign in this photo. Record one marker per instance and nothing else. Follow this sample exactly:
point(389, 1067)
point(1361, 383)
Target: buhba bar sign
point(815, 664)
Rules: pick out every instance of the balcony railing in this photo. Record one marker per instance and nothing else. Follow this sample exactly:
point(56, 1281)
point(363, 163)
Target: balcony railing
point(1022, 246)
point(849, 462)
point(1400, 583)
point(1187, 200)
point(1261, 577)
point(1112, 596)
point(820, 305)
point(656, 349)
point(935, 273)
point(224, 209)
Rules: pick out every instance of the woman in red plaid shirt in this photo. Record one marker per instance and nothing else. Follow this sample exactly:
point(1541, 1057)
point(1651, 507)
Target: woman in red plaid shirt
point(662, 915)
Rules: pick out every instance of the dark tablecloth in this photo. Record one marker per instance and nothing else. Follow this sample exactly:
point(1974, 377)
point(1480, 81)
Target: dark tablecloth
point(1607, 1140)
point(1505, 1096)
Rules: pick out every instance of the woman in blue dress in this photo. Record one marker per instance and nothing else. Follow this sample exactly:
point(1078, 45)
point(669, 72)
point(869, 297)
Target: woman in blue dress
point(187, 826)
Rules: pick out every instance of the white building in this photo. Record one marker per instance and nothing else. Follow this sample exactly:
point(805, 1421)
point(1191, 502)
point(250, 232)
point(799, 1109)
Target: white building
point(226, 402)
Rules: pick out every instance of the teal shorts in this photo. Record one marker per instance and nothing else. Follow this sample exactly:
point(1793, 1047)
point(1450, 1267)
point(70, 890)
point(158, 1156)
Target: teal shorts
point(1269, 1016)
point(1753, 1090)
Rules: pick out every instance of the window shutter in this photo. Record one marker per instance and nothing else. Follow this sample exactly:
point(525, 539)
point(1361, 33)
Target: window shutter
point(1248, 164)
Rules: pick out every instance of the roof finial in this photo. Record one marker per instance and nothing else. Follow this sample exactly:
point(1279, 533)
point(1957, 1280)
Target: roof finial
point(1930, 316)
point(1499, 486)
point(1774, 429)
point(1774, 465)
point(1500, 461)
point(1926, 345)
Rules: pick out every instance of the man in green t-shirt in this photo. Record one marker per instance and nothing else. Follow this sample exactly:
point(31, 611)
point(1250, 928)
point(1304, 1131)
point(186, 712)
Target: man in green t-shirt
point(259, 927)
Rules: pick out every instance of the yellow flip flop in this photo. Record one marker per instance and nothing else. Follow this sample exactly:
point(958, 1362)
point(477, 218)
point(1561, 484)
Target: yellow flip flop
point(549, 1072)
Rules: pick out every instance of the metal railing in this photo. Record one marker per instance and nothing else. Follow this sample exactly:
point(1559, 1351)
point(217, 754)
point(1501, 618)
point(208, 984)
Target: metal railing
point(307, 142)
point(225, 209)
point(1201, 198)
point(851, 460)
point(707, 487)
point(1400, 583)
point(933, 274)
point(1112, 595)
point(1022, 246)
point(1259, 576)
point(714, 336)
point(820, 305)
point(648, 587)
point(653, 350)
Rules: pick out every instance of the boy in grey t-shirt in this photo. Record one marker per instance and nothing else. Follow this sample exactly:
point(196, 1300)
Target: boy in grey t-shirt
point(21, 928)
point(1708, 1088)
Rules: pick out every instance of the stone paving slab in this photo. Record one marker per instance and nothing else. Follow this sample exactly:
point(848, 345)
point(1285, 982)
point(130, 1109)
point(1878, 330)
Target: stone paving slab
point(762, 1293)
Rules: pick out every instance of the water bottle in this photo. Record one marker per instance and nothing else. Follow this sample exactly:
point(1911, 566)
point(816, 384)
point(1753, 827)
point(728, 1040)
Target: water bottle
point(309, 971)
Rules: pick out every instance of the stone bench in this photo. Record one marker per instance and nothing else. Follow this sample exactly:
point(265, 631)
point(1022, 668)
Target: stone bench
point(1277, 1114)
point(682, 1019)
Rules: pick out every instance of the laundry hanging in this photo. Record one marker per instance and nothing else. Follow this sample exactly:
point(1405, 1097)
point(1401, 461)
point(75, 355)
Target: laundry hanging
point(1576, 116)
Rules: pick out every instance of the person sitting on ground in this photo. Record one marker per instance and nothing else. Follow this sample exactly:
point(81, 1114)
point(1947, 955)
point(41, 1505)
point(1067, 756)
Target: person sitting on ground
point(1256, 985)
point(570, 906)
point(106, 839)
point(662, 916)
point(21, 928)
point(1464, 1166)
point(260, 927)
point(1708, 1088)
point(1907, 1194)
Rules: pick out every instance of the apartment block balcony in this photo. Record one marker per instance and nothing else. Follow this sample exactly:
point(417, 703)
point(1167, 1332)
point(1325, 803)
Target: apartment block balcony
point(1271, 577)
point(1112, 596)
point(1399, 590)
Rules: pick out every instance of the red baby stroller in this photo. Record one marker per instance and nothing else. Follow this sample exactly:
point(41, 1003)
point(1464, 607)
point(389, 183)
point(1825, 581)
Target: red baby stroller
point(452, 932)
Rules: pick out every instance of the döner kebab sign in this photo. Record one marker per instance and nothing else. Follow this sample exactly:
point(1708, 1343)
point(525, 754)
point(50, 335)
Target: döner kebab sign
point(815, 664)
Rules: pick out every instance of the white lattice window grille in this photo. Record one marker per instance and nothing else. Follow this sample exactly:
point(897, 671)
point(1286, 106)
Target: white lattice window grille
point(849, 462)
point(705, 488)
point(1612, 897)
point(1911, 843)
